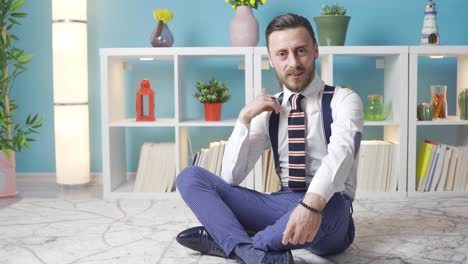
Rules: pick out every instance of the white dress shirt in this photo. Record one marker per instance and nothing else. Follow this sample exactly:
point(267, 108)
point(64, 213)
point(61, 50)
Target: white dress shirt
point(327, 170)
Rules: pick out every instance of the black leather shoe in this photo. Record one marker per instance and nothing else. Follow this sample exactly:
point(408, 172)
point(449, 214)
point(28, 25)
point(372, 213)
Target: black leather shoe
point(272, 257)
point(198, 239)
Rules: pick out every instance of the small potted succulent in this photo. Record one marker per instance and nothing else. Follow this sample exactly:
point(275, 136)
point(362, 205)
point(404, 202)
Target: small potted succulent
point(212, 94)
point(332, 25)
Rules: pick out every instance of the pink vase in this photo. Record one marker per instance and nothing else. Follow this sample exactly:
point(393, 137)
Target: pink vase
point(7, 174)
point(244, 27)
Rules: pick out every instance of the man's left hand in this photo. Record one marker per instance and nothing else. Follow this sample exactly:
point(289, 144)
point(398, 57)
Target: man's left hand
point(303, 224)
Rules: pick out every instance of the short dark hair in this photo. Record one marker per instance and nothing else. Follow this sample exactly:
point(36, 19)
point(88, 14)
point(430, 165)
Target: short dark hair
point(286, 21)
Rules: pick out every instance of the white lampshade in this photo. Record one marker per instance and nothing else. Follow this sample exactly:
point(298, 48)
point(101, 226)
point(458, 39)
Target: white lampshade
point(70, 60)
point(72, 144)
point(69, 9)
point(70, 79)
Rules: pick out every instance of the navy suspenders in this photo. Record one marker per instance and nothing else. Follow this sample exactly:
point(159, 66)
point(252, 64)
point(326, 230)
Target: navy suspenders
point(326, 116)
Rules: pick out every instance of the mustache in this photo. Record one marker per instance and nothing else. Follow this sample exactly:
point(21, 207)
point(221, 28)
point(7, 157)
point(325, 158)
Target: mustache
point(295, 70)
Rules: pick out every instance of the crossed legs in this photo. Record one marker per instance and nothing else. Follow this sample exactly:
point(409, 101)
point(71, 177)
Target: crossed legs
point(228, 211)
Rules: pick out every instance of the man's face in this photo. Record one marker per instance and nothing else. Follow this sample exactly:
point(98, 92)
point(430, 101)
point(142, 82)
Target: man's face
point(292, 53)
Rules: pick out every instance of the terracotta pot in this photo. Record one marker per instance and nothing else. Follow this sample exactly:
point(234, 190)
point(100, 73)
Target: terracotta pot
point(244, 28)
point(213, 111)
point(7, 174)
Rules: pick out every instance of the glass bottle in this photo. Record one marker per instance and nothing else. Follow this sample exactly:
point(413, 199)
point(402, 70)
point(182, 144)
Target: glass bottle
point(439, 100)
point(374, 108)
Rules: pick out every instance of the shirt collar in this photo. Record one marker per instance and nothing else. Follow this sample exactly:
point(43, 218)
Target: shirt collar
point(314, 88)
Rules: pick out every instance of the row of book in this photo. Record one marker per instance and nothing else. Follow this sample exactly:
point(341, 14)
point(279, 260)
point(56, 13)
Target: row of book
point(441, 167)
point(378, 164)
point(377, 169)
point(156, 168)
point(211, 158)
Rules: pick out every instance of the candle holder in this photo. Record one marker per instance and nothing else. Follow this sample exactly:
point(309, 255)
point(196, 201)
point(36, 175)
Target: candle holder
point(145, 102)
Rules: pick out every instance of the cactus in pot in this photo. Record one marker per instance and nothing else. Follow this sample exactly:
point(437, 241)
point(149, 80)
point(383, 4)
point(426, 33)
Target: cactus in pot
point(425, 111)
point(463, 104)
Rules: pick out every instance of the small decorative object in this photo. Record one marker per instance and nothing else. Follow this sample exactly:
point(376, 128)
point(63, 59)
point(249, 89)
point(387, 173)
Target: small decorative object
point(244, 25)
point(332, 25)
point(439, 100)
point(430, 34)
point(425, 111)
point(374, 108)
point(145, 102)
point(463, 104)
point(212, 94)
point(162, 36)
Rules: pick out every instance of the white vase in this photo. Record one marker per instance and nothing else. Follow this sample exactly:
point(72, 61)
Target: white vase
point(244, 27)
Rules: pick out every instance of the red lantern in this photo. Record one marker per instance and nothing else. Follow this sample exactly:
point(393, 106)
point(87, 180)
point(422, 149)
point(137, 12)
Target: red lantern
point(145, 91)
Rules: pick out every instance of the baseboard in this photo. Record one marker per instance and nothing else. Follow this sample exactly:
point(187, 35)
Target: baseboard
point(95, 177)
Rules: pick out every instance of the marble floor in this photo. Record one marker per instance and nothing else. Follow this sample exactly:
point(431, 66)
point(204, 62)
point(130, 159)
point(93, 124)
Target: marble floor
point(47, 224)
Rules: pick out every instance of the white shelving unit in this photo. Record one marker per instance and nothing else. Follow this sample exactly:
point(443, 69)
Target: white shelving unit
point(450, 130)
point(116, 180)
point(400, 81)
point(395, 93)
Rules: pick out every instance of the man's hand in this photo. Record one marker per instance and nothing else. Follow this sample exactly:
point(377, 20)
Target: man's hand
point(261, 103)
point(304, 224)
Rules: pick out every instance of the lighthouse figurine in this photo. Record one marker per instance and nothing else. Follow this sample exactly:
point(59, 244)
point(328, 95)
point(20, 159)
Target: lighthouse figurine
point(429, 34)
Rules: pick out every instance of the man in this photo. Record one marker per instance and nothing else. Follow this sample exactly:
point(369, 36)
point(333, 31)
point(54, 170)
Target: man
point(317, 170)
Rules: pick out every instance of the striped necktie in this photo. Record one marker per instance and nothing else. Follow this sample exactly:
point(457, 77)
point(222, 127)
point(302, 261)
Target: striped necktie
point(296, 144)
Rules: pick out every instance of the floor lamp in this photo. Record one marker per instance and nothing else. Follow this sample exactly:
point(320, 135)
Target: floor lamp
point(70, 80)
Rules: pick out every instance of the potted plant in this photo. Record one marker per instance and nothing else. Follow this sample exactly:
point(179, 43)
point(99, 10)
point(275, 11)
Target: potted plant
point(332, 25)
point(13, 135)
point(213, 94)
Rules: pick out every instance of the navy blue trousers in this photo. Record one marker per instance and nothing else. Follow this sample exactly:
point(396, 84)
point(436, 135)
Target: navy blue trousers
point(227, 211)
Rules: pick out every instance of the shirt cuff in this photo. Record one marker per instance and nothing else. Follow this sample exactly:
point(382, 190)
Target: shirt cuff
point(241, 127)
point(321, 186)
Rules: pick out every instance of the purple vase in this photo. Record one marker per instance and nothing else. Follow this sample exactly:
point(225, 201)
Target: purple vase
point(162, 39)
point(244, 27)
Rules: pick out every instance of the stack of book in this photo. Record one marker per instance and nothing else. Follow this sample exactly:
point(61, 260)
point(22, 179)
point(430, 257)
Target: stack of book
point(441, 167)
point(270, 180)
point(377, 169)
point(156, 168)
point(211, 158)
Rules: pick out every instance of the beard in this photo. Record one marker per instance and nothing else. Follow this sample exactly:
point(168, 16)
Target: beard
point(296, 86)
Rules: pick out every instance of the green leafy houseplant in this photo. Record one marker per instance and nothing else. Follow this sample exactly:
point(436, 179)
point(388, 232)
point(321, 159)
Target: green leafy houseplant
point(13, 136)
point(332, 25)
point(212, 92)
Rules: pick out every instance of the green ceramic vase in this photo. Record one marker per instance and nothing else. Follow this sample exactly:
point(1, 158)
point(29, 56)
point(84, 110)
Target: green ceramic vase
point(463, 104)
point(332, 29)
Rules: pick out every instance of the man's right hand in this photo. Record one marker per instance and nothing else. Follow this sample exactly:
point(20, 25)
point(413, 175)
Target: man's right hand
point(261, 103)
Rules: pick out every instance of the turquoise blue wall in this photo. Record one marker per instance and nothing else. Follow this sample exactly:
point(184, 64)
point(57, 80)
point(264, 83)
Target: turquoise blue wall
point(125, 23)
